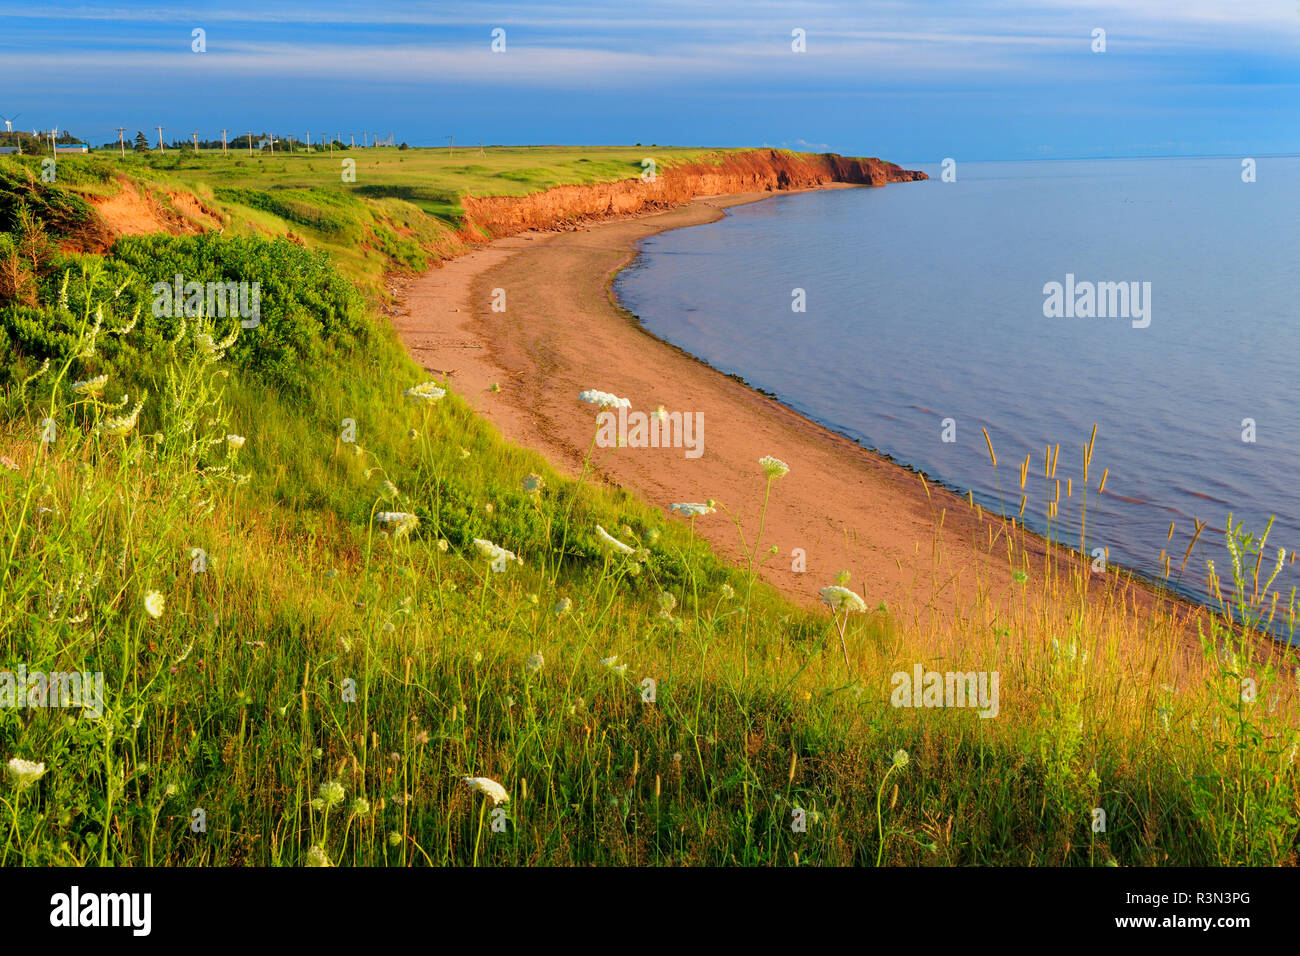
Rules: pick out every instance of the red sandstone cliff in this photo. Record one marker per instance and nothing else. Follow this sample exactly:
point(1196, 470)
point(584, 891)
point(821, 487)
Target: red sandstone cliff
point(753, 171)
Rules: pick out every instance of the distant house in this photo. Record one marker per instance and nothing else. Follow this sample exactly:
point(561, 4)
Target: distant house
point(73, 148)
point(263, 143)
point(6, 150)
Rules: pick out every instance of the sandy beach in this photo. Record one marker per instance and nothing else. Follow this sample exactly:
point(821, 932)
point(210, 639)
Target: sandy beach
point(922, 550)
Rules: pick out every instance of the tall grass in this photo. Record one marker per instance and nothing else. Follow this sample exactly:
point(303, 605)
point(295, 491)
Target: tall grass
point(318, 681)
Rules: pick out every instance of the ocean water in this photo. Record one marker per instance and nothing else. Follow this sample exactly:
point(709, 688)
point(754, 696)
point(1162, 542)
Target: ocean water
point(925, 302)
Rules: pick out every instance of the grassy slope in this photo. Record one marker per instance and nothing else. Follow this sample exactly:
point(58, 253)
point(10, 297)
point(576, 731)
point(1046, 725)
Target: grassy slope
point(314, 649)
point(403, 206)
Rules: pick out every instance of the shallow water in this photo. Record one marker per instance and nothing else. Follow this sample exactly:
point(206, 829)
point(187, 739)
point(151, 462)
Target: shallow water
point(925, 301)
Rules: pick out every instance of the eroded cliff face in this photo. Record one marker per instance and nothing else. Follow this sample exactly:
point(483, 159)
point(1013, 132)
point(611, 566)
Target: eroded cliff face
point(489, 217)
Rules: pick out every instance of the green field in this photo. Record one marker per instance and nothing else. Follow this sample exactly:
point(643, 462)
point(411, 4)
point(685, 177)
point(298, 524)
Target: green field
point(286, 566)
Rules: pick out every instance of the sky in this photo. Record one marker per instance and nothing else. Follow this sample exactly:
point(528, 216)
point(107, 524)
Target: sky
point(906, 80)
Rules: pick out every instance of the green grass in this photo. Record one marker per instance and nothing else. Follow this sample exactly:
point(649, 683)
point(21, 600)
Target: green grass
point(306, 647)
point(396, 210)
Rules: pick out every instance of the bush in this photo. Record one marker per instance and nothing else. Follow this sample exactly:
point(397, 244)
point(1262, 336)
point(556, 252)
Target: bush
point(309, 314)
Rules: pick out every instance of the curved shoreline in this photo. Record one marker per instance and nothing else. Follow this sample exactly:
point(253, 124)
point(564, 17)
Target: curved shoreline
point(918, 547)
point(1145, 579)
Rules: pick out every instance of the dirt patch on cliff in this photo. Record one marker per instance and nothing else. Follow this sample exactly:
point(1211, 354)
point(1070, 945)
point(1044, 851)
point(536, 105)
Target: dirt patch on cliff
point(199, 215)
point(133, 212)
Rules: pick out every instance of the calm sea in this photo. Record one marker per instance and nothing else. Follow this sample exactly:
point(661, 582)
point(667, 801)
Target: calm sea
point(925, 302)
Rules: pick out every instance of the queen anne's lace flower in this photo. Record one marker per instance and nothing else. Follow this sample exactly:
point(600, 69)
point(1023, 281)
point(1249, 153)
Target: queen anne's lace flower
point(498, 555)
point(154, 603)
point(426, 392)
point(122, 425)
point(842, 599)
point(489, 788)
point(403, 521)
point(612, 542)
point(90, 386)
point(773, 467)
point(24, 773)
point(604, 399)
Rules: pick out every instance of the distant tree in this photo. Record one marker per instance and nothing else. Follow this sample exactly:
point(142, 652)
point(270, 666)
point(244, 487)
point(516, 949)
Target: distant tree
point(140, 144)
point(403, 146)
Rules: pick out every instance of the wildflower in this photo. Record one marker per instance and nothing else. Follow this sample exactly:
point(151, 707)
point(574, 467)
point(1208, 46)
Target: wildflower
point(535, 662)
point(443, 545)
point(360, 807)
point(692, 509)
point(9, 463)
point(603, 399)
point(412, 433)
point(727, 592)
point(428, 392)
point(235, 442)
point(489, 788)
point(332, 573)
point(394, 838)
point(612, 542)
point(389, 489)
point(667, 603)
point(900, 758)
point(90, 386)
point(464, 453)
point(773, 467)
point(154, 603)
point(499, 556)
point(652, 536)
point(533, 484)
point(842, 578)
point(612, 664)
point(488, 507)
point(404, 522)
point(332, 793)
point(563, 606)
point(121, 426)
point(24, 773)
point(842, 599)
point(169, 790)
point(316, 856)
point(478, 657)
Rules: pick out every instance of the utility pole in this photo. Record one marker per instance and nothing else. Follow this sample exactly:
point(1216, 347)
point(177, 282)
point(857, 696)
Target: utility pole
point(161, 147)
point(196, 142)
point(365, 141)
point(250, 142)
point(353, 137)
point(480, 149)
point(326, 135)
point(223, 142)
point(272, 144)
point(120, 141)
point(309, 142)
point(54, 145)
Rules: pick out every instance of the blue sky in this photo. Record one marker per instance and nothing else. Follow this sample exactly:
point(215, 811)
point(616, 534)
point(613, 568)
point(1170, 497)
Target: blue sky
point(908, 80)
